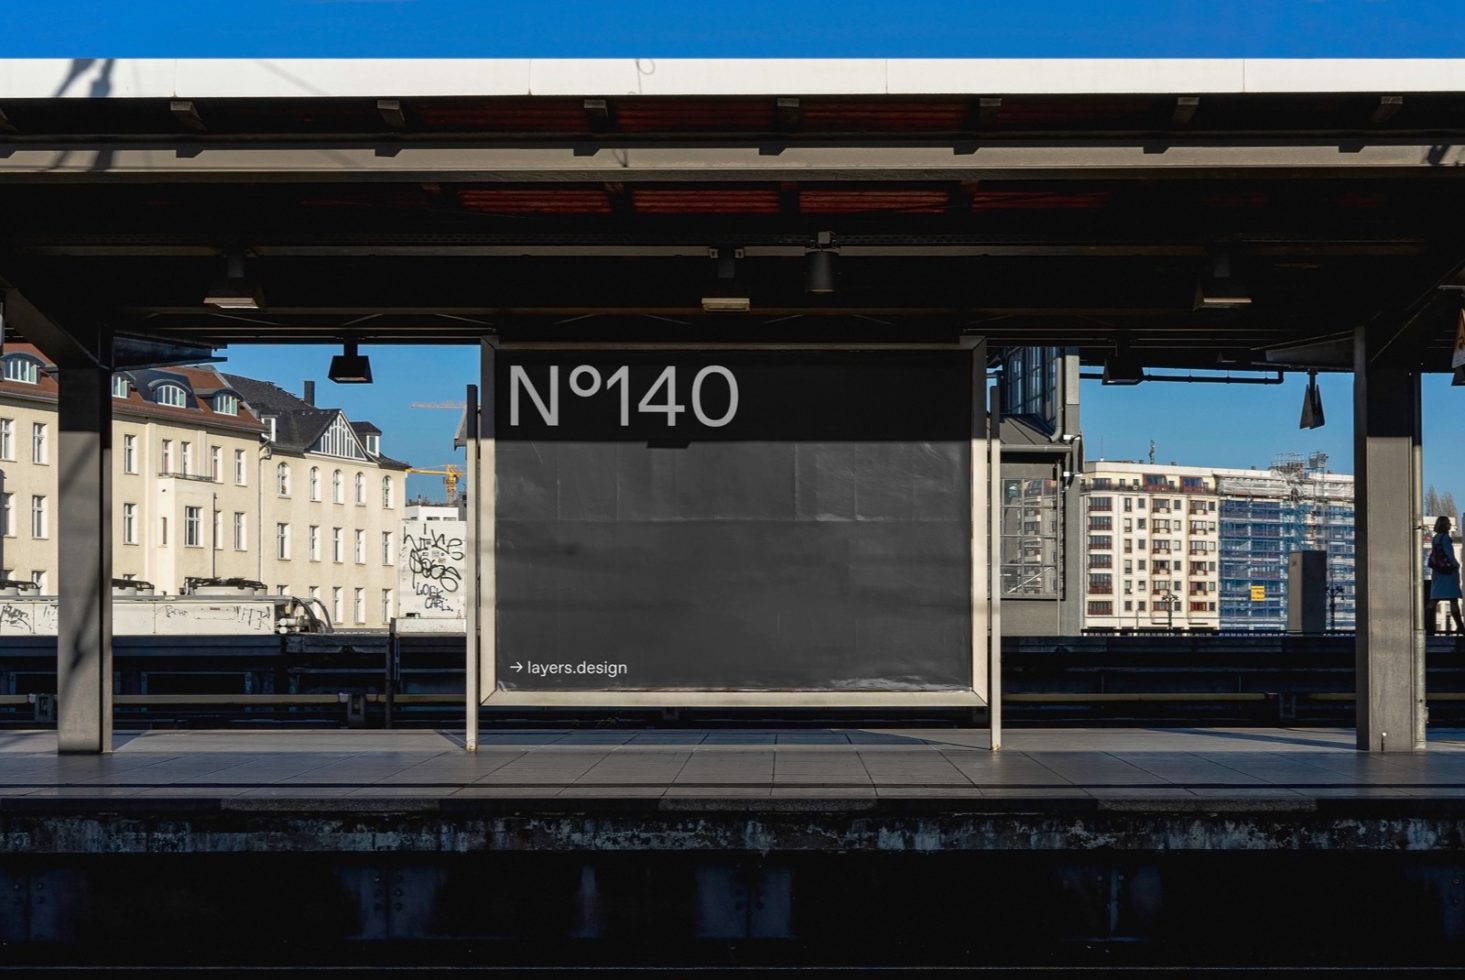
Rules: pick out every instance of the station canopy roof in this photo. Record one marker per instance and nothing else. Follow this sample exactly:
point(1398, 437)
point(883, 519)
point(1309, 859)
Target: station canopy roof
point(1189, 213)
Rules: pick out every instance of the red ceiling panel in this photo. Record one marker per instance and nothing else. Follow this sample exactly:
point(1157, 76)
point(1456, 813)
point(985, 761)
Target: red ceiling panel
point(535, 201)
point(922, 201)
point(705, 201)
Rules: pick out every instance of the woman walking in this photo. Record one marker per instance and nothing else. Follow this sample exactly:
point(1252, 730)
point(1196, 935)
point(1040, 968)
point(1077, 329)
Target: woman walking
point(1444, 579)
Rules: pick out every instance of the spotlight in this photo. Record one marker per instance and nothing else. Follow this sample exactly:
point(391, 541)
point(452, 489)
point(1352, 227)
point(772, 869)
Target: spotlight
point(1123, 369)
point(819, 264)
point(1217, 290)
point(726, 257)
point(1312, 405)
point(349, 367)
point(235, 291)
point(819, 270)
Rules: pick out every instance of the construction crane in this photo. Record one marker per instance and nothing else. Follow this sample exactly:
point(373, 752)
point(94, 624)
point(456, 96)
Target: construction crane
point(451, 475)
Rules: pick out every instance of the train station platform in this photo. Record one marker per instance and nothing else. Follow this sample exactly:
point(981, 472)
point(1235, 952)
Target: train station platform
point(1285, 764)
point(704, 850)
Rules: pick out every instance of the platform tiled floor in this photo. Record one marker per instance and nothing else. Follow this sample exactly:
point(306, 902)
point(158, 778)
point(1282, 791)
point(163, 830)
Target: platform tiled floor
point(1073, 763)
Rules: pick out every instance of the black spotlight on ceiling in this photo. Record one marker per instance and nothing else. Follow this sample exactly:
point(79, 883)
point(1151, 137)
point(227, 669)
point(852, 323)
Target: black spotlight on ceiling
point(1217, 290)
point(350, 367)
point(1312, 405)
point(819, 265)
point(235, 291)
point(1122, 368)
point(726, 257)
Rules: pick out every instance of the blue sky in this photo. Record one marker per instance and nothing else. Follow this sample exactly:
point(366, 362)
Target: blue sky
point(747, 28)
point(1201, 424)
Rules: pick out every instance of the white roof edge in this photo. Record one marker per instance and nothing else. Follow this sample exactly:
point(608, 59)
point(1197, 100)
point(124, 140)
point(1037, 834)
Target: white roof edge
point(408, 78)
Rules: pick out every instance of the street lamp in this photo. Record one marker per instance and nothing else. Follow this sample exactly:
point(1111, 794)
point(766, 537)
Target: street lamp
point(1169, 599)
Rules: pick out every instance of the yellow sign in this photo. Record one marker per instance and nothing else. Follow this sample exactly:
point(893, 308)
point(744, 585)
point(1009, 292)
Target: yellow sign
point(1258, 593)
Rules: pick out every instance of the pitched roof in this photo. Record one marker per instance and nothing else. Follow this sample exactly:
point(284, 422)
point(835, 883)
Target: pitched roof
point(299, 424)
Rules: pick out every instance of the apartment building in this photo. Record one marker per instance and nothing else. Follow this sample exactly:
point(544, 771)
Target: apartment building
point(1152, 547)
point(330, 504)
point(1210, 550)
point(196, 487)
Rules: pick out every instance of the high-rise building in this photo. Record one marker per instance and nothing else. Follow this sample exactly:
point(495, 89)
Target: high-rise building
point(1192, 547)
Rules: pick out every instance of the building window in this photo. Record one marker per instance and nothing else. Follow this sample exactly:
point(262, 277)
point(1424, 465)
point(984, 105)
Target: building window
point(269, 424)
point(185, 457)
point(282, 541)
point(315, 483)
point(7, 439)
point(171, 395)
point(1101, 608)
point(360, 605)
point(39, 452)
point(338, 547)
point(38, 578)
point(218, 530)
point(216, 464)
point(337, 489)
point(1031, 553)
point(386, 491)
point(386, 547)
point(282, 479)
point(1101, 583)
point(119, 386)
point(339, 440)
point(241, 533)
point(337, 611)
point(192, 527)
point(166, 457)
point(386, 605)
point(226, 404)
point(374, 444)
point(314, 539)
point(360, 490)
point(361, 547)
point(23, 368)
point(38, 517)
point(241, 475)
point(7, 515)
point(129, 523)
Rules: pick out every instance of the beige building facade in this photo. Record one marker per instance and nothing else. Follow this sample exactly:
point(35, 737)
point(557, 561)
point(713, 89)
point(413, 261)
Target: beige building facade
point(1151, 552)
point(213, 476)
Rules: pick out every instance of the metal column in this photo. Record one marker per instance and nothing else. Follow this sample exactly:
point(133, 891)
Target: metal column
point(84, 530)
point(1389, 647)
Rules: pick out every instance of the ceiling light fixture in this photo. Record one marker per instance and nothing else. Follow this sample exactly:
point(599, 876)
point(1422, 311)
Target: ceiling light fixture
point(350, 367)
point(819, 265)
point(726, 304)
point(1217, 290)
point(235, 291)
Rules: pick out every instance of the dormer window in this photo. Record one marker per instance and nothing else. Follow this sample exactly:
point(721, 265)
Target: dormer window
point(374, 445)
point(226, 404)
point(119, 386)
point(22, 368)
point(269, 421)
point(171, 395)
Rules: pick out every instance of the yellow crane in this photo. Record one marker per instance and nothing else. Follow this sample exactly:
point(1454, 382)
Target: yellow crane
point(451, 475)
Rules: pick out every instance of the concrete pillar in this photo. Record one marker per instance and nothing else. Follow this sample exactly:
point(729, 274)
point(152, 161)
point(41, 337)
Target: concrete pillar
point(1389, 650)
point(84, 579)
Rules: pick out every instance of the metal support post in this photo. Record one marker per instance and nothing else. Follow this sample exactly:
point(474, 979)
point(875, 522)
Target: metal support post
point(482, 601)
point(1390, 695)
point(84, 579)
point(994, 552)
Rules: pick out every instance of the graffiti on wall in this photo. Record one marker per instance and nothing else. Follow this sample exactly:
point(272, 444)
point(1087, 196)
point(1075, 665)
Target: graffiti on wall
point(432, 568)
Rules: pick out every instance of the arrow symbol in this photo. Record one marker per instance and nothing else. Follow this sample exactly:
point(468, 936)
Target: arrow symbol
point(516, 666)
